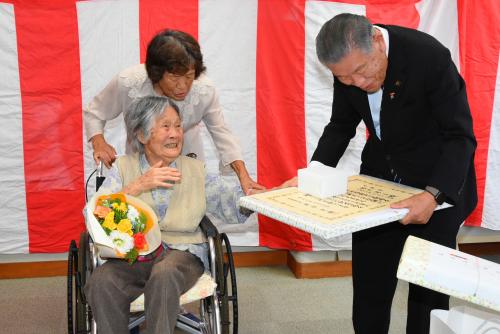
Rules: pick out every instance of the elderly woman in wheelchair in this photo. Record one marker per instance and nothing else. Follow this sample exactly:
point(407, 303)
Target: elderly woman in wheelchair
point(174, 186)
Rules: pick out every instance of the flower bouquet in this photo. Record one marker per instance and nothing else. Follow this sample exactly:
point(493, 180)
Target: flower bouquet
point(122, 226)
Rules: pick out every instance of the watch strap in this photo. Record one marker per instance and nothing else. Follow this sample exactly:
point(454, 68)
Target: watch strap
point(438, 195)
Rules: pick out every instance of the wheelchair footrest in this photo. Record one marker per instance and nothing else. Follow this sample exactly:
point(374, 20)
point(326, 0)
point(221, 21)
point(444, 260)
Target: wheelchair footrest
point(189, 319)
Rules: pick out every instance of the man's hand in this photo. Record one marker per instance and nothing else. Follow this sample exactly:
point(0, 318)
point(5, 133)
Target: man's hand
point(421, 207)
point(156, 177)
point(293, 182)
point(103, 151)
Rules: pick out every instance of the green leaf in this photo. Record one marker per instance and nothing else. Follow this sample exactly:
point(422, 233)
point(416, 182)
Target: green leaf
point(132, 255)
point(142, 218)
point(115, 200)
point(119, 215)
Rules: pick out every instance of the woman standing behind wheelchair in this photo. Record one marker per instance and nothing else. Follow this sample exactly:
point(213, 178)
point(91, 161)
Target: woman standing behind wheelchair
point(174, 68)
point(174, 186)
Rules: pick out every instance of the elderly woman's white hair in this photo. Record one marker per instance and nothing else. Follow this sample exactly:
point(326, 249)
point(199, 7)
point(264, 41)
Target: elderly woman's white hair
point(140, 118)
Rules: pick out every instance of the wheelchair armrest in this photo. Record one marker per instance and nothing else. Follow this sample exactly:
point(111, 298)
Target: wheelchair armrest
point(208, 228)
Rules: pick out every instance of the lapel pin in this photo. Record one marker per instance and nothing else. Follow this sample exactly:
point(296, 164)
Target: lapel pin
point(397, 83)
point(392, 95)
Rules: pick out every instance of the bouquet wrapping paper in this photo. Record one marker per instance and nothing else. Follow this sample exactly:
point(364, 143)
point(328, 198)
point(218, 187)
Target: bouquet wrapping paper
point(104, 242)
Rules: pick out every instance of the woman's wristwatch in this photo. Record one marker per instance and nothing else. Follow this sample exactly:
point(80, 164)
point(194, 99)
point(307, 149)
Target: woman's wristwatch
point(439, 197)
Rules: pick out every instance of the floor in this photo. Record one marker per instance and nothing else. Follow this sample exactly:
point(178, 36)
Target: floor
point(271, 300)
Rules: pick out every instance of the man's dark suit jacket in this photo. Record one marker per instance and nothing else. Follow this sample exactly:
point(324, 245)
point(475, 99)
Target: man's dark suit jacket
point(425, 122)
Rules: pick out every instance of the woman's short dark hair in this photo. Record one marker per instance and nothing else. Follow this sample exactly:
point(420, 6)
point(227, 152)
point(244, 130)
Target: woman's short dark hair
point(173, 51)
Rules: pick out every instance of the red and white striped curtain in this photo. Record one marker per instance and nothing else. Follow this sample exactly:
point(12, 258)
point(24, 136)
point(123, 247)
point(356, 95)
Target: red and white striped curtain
point(56, 55)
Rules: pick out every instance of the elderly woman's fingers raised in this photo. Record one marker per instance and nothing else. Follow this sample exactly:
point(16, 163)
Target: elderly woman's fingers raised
point(158, 176)
point(167, 176)
point(155, 177)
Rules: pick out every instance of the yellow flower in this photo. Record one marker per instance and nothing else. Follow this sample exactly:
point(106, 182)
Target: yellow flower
point(114, 205)
point(125, 226)
point(109, 221)
point(123, 207)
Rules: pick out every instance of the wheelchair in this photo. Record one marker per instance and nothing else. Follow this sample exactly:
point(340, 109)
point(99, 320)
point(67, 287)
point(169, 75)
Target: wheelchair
point(218, 308)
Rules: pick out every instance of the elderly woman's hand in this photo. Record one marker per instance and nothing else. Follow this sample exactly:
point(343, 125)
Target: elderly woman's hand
point(103, 151)
point(157, 176)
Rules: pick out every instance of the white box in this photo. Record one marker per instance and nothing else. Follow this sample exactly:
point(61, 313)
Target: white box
point(322, 181)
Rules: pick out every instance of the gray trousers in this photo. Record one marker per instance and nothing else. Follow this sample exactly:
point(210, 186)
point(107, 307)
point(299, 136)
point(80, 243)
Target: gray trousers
point(114, 285)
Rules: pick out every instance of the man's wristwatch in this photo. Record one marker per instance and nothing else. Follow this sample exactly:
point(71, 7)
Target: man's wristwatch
point(439, 197)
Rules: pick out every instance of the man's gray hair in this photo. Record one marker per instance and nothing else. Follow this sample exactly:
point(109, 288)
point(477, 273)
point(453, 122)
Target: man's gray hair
point(342, 34)
point(141, 116)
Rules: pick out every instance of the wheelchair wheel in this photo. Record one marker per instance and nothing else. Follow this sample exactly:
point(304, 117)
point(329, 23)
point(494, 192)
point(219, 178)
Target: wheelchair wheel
point(79, 315)
point(231, 290)
point(220, 279)
point(83, 315)
point(71, 288)
point(226, 292)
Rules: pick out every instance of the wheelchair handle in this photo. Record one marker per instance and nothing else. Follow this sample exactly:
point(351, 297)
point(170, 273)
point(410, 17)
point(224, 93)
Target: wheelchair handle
point(99, 176)
point(208, 227)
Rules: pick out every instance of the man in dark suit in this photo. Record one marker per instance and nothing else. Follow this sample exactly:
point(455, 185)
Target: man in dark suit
point(403, 84)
